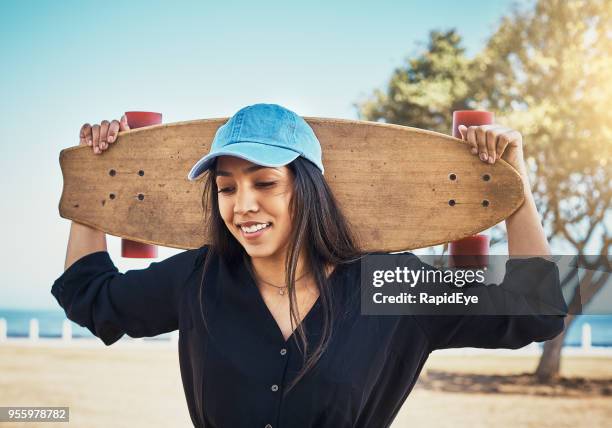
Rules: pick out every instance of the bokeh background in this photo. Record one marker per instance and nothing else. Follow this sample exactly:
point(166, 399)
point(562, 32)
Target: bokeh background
point(542, 66)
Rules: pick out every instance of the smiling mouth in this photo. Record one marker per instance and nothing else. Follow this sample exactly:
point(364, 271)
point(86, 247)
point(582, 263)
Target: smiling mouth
point(252, 231)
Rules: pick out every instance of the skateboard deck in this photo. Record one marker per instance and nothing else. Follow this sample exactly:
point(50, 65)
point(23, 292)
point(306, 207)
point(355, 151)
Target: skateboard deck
point(401, 188)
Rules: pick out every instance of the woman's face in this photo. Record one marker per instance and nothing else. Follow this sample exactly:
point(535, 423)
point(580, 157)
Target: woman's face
point(253, 193)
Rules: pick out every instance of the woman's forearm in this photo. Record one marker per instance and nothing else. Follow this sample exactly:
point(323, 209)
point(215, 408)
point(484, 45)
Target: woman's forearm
point(83, 240)
point(526, 235)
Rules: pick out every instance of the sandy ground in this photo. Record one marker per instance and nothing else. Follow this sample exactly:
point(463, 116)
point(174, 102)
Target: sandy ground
point(141, 387)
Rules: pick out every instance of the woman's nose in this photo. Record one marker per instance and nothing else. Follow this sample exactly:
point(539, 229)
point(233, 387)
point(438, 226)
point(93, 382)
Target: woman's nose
point(245, 201)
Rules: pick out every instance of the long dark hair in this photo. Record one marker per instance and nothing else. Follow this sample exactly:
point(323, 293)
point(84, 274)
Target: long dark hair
point(319, 228)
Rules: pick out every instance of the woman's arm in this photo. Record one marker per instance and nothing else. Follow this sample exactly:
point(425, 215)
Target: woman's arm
point(83, 240)
point(526, 236)
point(139, 303)
point(524, 280)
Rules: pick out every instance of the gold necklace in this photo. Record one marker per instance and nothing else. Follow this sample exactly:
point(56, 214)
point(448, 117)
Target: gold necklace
point(281, 290)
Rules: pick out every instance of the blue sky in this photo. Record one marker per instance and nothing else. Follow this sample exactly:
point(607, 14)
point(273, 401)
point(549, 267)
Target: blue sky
point(65, 63)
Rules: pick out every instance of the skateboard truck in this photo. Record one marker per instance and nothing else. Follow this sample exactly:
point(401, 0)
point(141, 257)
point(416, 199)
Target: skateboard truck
point(133, 249)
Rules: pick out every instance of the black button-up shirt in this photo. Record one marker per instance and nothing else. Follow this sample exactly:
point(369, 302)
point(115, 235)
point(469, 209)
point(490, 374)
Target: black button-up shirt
point(234, 373)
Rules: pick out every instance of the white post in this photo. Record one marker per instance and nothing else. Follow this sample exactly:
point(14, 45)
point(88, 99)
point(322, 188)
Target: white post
point(3, 329)
point(34, 329)
point(586, 336)
point(66, 331)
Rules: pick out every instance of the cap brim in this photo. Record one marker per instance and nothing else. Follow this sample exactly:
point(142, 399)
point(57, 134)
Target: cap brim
point(271, 156)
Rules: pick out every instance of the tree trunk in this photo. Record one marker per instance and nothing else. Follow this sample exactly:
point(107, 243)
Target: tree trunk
point(550, 361)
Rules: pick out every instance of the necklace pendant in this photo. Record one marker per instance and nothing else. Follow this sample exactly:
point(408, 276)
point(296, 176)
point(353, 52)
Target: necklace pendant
point(281, 291)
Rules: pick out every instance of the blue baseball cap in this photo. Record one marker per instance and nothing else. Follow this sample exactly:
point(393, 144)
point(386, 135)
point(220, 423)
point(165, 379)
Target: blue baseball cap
point(265, 134)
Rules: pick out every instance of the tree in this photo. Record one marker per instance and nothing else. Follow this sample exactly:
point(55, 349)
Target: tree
point(545, 72)
point(422, 93)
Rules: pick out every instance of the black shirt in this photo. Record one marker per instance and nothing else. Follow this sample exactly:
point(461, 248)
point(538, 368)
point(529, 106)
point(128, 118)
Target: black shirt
point(234, 372)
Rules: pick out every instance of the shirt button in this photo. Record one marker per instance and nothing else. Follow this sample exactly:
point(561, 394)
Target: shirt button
point(274, 388)
point(283, 351)
point(268, 426)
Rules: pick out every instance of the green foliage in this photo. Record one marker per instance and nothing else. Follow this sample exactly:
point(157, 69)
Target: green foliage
point(424, 92)
point(545, 72)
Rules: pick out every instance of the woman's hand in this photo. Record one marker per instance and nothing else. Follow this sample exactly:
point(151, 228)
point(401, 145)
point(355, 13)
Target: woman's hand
point(526, 236)
point(492, 142)
point(99, 137)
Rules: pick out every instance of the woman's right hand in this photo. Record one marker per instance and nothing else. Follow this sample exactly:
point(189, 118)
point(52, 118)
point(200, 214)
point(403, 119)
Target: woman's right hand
point(99, 137)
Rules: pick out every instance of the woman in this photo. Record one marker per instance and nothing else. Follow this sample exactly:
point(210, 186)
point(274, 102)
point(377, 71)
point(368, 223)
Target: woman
point(282, 263)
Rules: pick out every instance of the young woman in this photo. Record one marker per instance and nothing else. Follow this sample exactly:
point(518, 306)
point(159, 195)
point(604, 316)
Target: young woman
point(268, 313)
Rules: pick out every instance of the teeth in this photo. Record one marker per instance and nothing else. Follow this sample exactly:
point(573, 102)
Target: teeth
point(254, 228)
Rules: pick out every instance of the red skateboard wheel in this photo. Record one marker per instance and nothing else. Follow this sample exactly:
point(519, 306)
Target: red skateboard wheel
point(471, 251)
point(140, 119)
point(470, 118)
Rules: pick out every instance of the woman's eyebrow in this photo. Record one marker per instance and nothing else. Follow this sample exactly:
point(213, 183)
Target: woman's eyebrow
point(246, 170)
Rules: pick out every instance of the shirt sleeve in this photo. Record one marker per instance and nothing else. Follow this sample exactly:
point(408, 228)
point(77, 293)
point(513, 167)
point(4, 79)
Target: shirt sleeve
point(139, 302)
point(531, 287)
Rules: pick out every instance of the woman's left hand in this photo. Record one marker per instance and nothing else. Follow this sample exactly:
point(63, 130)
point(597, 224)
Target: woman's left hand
point(492, 142)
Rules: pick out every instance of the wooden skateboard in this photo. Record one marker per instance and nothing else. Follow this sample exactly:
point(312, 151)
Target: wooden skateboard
point(400, 187)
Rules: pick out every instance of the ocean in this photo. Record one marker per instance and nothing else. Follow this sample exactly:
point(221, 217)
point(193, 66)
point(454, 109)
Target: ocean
point(50, 326)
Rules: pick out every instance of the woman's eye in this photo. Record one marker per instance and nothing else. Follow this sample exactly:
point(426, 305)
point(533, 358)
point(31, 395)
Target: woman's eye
point(261, 184)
